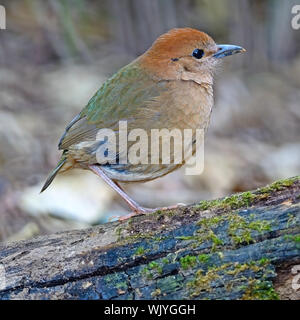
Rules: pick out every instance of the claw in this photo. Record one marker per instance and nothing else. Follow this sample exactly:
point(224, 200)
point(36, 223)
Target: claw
point(148, 210)
point(128, 216)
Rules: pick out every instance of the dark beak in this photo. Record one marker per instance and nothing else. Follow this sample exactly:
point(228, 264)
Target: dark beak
point(225, 50)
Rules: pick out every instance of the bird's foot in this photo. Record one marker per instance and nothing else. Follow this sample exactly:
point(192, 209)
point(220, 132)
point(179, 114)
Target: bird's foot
point(128, 216)
point(142, 210)
point(137, 212)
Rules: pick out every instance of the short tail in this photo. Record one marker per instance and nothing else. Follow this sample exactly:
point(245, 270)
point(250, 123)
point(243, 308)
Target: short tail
point(53, 174)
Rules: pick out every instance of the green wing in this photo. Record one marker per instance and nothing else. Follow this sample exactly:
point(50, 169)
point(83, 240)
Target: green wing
point(125, 96)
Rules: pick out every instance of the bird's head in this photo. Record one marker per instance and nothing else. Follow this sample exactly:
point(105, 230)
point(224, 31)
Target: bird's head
point(186, 54)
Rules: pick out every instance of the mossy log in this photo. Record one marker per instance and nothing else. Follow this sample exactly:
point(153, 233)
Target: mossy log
point(239, 247)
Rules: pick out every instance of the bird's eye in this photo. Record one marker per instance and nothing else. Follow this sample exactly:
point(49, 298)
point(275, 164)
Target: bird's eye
point(198, 53)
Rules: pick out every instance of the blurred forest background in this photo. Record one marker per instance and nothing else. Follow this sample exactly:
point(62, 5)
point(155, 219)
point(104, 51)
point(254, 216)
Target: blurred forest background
point(56, 53)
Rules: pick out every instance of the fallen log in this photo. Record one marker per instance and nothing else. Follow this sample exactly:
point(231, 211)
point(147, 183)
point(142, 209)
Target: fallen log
point(246, 246)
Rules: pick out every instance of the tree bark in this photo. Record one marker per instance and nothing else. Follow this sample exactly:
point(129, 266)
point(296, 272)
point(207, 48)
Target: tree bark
point(241, 247)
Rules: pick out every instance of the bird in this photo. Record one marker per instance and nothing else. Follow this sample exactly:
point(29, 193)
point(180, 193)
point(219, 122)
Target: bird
point(169, 86)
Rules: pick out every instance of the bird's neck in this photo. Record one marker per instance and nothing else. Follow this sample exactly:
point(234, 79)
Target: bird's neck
point(203, 79)
point(165, 69)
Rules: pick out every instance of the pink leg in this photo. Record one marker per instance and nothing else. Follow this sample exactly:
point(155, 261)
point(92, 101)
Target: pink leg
point(137, 209)
point(161, 208)
point(132, 204)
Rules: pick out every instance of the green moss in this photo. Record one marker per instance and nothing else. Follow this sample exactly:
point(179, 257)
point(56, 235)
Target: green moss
point(240, 229)
point(121, 285)
point(204, 281)
point(140, 251)
point(155, 266)
point(264, 261)
point(136, 237)
point(248, 198)
point(116, 280)
point(215, 240)
point(278, 185)
point(156, 293)
point(210, 222)
point(260, 290)
point(233, 202)
point(297, 238)
point(259, 225)
point(204, 258)
point(151, 270)
point(255, 266)
point(245, 199)
point(205, 204)
point(207, 234)
point(238, 268)
point(147, 273)
point(186, 238)
point(188, 262)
